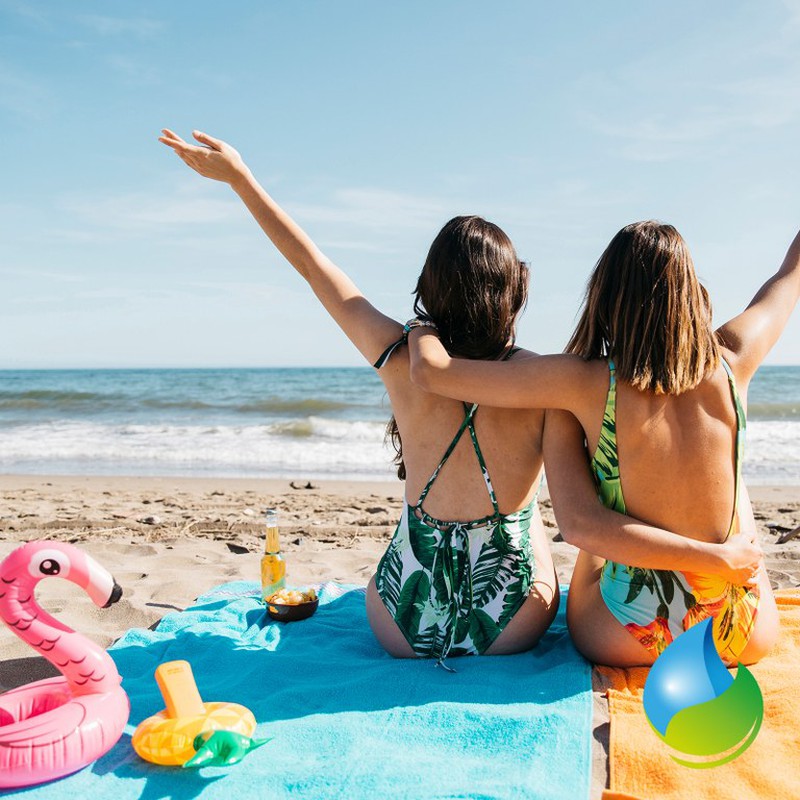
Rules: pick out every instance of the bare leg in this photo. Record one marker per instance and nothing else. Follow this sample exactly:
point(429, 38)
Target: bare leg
point(529, 624)
point(765, 631)
point(597, 633)
point(384, 627)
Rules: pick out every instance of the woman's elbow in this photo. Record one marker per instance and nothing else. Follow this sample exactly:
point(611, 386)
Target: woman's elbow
point(572, 528)
point(421, 373)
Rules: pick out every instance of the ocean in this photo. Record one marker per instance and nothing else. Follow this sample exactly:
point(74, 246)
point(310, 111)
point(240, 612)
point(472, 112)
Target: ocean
point(304, 423)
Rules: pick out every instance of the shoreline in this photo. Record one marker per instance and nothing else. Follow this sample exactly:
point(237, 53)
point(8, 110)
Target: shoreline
point(16, 480)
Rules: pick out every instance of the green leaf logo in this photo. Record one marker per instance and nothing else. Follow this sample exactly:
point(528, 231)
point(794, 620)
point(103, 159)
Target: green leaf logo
point(696, 706)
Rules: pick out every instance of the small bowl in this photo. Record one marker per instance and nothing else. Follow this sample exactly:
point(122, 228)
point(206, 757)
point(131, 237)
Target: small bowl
point(291, 613)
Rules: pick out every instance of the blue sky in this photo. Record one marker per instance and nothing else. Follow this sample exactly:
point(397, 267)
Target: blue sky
point(373, 123)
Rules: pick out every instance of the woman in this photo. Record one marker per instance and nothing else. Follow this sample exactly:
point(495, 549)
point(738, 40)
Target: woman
point(659, 398)
point(468, 569)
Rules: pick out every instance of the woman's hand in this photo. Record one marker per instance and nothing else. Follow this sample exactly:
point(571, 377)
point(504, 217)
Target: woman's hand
point(741, 559)
point(367, 328)
point(215, 159)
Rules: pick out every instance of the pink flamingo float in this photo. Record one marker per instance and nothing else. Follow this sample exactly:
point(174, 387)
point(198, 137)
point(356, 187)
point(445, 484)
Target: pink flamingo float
point(57, 726)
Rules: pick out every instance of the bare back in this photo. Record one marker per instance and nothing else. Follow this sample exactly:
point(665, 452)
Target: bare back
point(676, 454)
point(510, 440)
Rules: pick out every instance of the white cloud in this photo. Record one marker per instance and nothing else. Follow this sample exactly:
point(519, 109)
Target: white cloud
point(114, 26)
point(135, 71)
point(692, 100)
point(188, 205)
point(375, 209)
point(34, 273)
point(27, 11)
point(23, 96)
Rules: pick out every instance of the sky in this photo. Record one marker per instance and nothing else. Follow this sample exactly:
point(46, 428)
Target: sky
point(373, 123)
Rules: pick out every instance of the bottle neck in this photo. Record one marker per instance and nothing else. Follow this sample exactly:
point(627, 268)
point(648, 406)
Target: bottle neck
point(273, 543)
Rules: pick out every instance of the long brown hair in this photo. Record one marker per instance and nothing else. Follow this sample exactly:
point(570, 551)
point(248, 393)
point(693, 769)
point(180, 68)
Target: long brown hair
point(473, 287)
point(646, 310)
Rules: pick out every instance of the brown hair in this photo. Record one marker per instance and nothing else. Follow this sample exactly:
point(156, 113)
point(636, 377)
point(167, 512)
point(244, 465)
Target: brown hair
point(645, 309)
point(473, 287)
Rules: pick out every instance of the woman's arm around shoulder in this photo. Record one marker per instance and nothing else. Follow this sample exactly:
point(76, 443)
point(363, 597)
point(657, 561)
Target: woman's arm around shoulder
point(750, 335)
point(554, 381)
point(368, 329)
point(587, 524)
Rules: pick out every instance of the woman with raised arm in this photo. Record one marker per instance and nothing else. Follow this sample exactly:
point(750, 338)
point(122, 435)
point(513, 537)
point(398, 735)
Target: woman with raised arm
point(659, 397)
point(468, 569)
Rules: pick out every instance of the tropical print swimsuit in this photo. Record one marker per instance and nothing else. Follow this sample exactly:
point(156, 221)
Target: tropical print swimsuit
point(657, 605)
point(452, 587)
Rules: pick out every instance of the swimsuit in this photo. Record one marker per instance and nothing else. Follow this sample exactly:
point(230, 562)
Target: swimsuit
point(657, 605)
point(452, 587)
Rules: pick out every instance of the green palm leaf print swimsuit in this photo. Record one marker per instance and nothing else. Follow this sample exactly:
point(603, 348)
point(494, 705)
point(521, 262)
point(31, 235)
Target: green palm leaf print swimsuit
point(452, 587)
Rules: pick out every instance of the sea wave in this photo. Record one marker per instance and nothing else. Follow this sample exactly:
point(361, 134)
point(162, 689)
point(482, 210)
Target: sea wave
point(275, 405)
point(773, 411)
point(54, 399)
point(343, 450)
point(313, 446)
point(70, 402)
point(772, 452)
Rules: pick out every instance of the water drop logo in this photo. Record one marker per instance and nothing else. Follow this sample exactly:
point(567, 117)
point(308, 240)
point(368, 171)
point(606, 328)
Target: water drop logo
point(696, 706)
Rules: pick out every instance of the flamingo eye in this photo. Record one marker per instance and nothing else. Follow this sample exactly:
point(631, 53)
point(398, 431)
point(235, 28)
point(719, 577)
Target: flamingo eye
point(49, 563)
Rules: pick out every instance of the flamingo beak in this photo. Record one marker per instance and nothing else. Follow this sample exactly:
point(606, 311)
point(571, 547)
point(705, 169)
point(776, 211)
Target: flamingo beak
point(102, 587)
point(116, 593)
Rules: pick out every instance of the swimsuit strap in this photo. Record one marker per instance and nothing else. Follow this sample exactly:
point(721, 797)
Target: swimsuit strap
point(385, 355)
point(605, 461)
point(741, 425)
point(467, 423)
point(485, 472)
point(610, 413)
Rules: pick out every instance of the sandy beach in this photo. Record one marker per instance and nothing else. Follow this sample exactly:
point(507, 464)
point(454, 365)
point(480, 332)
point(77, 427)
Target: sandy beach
point(167, 540)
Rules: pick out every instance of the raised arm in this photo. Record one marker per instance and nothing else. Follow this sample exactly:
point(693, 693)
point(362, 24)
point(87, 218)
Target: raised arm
point(557, 381)
point(587, 524)
point(365, 326)
point(751, 335)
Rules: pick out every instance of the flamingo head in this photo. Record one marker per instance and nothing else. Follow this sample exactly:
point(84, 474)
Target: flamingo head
point(38, 560)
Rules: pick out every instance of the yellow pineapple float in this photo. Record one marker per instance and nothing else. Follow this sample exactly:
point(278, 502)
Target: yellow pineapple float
point(184, 732)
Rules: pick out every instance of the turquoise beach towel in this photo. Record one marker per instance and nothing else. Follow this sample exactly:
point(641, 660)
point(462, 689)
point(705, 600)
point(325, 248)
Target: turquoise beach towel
point(347, 720)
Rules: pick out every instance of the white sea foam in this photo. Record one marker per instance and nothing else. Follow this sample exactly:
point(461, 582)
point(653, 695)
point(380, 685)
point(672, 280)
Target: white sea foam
point(314, 446)
point(772, 452)
point(331, 448)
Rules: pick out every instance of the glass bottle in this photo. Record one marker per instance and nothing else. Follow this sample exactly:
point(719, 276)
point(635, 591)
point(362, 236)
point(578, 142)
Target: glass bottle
point(273, 567)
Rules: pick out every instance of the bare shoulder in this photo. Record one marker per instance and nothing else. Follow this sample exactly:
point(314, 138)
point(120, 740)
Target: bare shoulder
point(521, 354)
point(740, 367)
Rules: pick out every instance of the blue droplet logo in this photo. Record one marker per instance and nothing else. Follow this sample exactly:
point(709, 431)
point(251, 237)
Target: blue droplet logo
point(696, 706)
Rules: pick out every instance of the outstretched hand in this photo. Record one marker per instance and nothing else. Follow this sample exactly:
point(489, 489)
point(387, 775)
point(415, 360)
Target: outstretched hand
point(213, 159)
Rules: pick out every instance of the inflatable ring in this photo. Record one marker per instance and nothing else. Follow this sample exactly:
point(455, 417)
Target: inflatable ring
point(168, 737)
point(57, 726)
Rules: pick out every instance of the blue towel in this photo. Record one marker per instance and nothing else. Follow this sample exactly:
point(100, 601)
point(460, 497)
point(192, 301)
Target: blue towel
point(348, 720)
